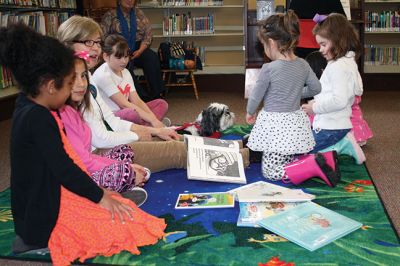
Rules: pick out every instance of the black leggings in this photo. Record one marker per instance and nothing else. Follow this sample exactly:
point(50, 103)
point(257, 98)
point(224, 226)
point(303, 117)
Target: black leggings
point(150, 63)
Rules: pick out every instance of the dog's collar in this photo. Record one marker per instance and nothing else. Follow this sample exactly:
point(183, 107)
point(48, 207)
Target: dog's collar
point(186, 125)
point(215, 135)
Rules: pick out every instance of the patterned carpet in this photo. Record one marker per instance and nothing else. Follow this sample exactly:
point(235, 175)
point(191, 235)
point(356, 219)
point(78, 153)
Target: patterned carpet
point(211, 237)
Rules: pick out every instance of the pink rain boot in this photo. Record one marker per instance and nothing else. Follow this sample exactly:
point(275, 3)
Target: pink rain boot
point(322, 165)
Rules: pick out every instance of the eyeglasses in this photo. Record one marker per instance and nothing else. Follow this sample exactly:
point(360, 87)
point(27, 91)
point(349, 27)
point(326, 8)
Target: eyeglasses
point(90, 43)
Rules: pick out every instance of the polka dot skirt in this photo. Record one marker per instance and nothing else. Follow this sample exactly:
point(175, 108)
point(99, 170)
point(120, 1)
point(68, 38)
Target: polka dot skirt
point(284, 133)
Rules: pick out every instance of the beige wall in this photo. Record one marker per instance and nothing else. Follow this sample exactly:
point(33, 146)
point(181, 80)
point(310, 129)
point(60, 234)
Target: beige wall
point(252, 4)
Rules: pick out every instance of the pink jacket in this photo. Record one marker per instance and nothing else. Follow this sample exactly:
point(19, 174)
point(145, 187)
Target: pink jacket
point(80, 137)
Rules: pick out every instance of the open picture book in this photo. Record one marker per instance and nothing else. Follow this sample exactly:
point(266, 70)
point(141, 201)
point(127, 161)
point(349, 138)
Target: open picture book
point(310, 225)
point(214, 160)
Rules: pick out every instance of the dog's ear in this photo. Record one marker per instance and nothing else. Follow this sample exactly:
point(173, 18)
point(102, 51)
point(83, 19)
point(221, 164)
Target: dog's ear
point(209, 124)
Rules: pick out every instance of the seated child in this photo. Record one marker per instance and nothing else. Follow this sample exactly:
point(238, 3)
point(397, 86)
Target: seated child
point(113, 169)
point(117, 88)
point(54, 201)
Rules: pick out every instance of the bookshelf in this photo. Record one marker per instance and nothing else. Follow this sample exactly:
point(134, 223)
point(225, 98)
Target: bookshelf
point(43, 16)
point(223, 48)
point(381, 37)
point(217, 29)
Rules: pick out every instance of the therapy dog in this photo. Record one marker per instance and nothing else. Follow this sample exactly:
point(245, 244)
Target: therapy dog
point(210, 122)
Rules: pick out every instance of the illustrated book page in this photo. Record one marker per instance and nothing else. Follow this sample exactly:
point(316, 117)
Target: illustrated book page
point(253, 212)
point(214, 160)
point(310, 225)
point(262, 191)
point(205, 200)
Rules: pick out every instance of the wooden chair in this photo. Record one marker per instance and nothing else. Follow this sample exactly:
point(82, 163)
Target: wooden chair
point(167, 75)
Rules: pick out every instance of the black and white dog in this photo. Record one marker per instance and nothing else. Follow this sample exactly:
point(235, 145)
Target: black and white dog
point(213, 119)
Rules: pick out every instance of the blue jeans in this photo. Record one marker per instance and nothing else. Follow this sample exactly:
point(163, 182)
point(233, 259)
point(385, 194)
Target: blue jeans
point(325, 138)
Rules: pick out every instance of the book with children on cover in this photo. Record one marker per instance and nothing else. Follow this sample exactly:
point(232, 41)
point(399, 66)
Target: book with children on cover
point(215, 160)
point(205, 200)
point(253, 212)
point(262, 191)
point(310, 225)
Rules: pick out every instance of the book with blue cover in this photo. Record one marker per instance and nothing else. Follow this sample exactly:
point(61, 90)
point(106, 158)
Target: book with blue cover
point(310, 225)
point(252, 212)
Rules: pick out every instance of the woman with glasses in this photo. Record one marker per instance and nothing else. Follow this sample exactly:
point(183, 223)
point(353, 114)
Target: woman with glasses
point(84, 35)
point(129, 21)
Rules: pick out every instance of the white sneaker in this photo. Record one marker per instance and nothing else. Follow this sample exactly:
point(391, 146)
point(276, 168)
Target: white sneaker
point(148, 173)
point(136, 194)
point(166, 121)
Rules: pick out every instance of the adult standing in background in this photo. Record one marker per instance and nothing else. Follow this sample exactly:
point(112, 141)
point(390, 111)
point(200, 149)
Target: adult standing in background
point(129, 21)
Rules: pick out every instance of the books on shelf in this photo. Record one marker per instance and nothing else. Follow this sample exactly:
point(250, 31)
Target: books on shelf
point(214, 160)
point(262, 191)
point(253, 212)
point(384, 21)
point(192, 3)
point(310, 225)
point(40, 3)
point(381, 54)
point(5, 78)
point(185, 24)
point(205, 200)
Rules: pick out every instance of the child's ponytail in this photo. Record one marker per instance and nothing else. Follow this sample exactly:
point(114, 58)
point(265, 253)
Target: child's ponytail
point(291, 24)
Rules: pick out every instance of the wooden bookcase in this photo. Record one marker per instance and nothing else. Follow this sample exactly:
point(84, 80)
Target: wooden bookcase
point(224, 49)
point(382, 37)
point(44, 18)
point(380, 71)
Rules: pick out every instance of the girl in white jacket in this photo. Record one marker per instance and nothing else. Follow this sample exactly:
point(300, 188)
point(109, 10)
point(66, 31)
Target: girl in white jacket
point(340, 81)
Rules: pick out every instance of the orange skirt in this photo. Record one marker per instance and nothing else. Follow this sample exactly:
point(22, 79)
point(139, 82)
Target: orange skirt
point(85, 230)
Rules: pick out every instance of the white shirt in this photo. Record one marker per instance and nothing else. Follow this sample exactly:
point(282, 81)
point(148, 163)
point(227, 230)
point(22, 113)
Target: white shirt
point(110, 83)
point(101, 137)
point(340, 82)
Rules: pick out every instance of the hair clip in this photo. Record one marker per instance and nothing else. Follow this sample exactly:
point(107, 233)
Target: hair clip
point(83, 54)
point(319, 18)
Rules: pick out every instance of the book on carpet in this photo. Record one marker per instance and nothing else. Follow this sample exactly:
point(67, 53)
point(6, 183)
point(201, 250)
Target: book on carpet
point(262, 191)
point(310, 225)
point(205, 200)
point(216, 160)
point(253, 212)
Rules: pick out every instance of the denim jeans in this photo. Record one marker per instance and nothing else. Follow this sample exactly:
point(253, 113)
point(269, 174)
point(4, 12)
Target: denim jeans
point(325, 138)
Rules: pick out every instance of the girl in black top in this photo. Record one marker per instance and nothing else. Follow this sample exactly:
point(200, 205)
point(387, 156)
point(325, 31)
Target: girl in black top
point(44, 71)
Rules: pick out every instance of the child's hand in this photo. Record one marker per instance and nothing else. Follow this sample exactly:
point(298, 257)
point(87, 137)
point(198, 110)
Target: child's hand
point(140, 174)
point(167, 134)
point(115, 207)
point(144, 134)
point(308, 107)
point(157, 123)
point(251, 119)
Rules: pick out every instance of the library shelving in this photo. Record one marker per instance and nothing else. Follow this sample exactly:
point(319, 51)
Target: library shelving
point(381, 37)
point(44, 16)
point(215, 27)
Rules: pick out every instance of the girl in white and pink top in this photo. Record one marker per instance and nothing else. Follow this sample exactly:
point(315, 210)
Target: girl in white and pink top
point(117, 88)
point(112, 169)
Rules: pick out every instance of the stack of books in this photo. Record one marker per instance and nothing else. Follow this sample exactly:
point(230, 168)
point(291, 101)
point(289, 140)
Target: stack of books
point(290, 213)
point(262, 199)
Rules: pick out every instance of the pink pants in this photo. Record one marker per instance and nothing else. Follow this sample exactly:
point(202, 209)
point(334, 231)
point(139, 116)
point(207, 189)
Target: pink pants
point(159, 107)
